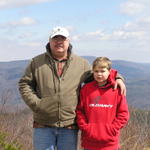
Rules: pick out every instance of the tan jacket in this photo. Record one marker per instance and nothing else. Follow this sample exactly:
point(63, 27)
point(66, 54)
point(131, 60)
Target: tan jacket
point(53, 99)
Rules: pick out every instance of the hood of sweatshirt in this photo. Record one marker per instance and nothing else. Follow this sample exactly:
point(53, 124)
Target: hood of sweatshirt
point(111, 79)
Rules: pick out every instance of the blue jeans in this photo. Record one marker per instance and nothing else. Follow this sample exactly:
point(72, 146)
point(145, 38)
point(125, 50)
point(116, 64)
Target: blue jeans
point(51, 138)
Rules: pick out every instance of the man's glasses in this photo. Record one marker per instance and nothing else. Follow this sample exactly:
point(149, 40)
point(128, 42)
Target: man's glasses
point(59, 38)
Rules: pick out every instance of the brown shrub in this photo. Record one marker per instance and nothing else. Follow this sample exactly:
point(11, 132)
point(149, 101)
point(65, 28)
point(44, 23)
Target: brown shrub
point(135, 136)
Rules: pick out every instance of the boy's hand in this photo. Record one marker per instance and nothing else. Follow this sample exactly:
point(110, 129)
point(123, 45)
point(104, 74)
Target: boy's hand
point(122, 86)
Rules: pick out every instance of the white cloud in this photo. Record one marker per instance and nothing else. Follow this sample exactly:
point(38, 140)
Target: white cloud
point(12, 49)
point(75, 37)
point(18, 29)
point(18, 3)
point(70, 28)
point(96, 33)
point(99, 34)
point(132, 8)
point(129, 42)
point(135, 7)
point(135, 30)
point(125, 35)
point(140, 24)
point(32, 44)
point(121, 35)
point(26, 35)
point(25, 21)
point(140, 1)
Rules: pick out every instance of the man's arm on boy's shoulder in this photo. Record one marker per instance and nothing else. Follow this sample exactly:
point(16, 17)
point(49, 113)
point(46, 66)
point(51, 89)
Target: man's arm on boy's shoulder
point(121, 84)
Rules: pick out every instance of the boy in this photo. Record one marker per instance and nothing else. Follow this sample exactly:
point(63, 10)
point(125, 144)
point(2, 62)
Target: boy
point(102, 111)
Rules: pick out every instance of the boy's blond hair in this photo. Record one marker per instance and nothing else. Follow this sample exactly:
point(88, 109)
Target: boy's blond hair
point(102, 62)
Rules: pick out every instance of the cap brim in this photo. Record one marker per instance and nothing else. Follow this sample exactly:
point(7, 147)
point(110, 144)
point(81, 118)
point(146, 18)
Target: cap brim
point(58, 35)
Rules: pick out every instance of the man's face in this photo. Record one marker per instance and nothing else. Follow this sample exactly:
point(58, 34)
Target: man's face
point(59, 45)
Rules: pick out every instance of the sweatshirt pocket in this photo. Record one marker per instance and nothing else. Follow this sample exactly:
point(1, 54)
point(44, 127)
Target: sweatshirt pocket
point(101, 132)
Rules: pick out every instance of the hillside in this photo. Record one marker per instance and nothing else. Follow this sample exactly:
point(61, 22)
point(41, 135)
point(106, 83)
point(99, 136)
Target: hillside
point(137, 77)
point(130, 70)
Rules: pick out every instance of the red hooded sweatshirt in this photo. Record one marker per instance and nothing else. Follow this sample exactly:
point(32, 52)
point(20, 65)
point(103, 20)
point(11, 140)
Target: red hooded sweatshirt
point(101, 113)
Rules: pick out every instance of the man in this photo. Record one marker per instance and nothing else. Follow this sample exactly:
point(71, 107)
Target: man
point(50, 87)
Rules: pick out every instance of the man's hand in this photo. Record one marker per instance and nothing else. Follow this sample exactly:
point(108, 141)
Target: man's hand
point(122, 86)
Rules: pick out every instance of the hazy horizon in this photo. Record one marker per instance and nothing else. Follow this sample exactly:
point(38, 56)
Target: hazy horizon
point(7, 61)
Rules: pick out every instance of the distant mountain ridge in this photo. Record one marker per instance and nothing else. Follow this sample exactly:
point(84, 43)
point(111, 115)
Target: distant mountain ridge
point(130, 70)
point(137, 79)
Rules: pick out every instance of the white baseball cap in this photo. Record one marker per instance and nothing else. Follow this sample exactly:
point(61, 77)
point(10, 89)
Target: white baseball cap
point(59, 31)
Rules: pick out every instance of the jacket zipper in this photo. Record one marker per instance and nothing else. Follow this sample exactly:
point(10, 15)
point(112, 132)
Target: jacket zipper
point(59, 101)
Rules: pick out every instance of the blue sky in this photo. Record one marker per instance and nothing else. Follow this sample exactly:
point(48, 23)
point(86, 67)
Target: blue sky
point(118, 29)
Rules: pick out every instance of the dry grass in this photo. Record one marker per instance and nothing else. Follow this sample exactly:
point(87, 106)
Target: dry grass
point(18, 128)
point(135, 136)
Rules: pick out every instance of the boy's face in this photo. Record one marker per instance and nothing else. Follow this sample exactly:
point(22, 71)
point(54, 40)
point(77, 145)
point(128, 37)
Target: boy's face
point(101, 75)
